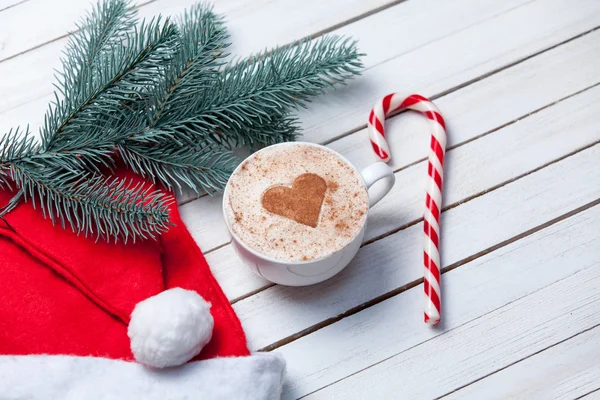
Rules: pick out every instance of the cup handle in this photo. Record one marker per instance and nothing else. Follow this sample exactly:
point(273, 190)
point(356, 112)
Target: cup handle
point(375, 173)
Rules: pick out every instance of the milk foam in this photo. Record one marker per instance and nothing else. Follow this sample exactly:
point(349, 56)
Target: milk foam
point(343, 211)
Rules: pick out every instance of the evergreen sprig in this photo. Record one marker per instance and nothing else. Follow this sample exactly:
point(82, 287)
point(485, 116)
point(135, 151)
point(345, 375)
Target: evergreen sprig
point(162, 98)
point(107, 24)
point(119, 78)
point(261, 90)
point(92, 204)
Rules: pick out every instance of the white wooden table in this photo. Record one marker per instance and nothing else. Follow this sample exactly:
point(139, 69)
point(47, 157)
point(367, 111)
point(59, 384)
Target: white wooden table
point(518, 83)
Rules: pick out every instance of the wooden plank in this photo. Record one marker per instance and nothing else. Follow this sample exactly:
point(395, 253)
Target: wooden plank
point(19, 37)
point(204, 219)
point(395, 261)
point(34, 23)
point(489, 161)
point(447, 20)
point(20, 114)
point(496, 307)
point(448, 62)
point(565, 371)
point(25, 97)
point(236, 280)
point(6, 4)
point(472, 292)
point(532, 85)
point(33, 71)
point(497, 158)
point(488, 104)
point(595, 395)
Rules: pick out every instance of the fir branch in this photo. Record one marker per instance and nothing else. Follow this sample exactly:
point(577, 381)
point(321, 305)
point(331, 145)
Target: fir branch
point(193, 70)
point(14, 145)
point(79, 138)
point(197, 169)
point(123, 75)
point(93, 205)
point(264, 131)
point(102, 28)
point(17, 144)
point(250, 92)
point(158, 98)
point(202, 167)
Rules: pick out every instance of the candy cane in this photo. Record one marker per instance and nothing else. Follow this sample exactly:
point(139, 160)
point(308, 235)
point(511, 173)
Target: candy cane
point(433, 199)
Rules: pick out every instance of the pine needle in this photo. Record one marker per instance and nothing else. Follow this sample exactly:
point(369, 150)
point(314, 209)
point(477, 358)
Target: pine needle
point(160, 97)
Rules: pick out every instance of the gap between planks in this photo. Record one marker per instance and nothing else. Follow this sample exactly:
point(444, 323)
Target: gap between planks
point(452, 205)
point(469, 83)
point(398, 2)
point(459, 30)
point(13, 5)
point(515, 118)
point(520, 360)
point(511, 302)
point(454, 88)
point(419, 281)
point(137, 7)
point(314, 35)
point(593, 395)
point(548, 161)
point(443, 94)
point(69, 33)
point(312, 375)
point(431, 79)
point(415, 222)
point(495, 187)
point(420, 160)
point(490, 131)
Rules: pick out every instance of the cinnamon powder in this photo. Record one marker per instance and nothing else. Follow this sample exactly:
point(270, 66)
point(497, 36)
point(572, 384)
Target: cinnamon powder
point(301, 203)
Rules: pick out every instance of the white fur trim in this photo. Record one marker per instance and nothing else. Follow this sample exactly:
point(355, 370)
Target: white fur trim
point(170, 328)
point(256, 377)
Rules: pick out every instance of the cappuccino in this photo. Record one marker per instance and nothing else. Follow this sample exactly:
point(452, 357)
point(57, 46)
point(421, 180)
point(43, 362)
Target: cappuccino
point(296, 202)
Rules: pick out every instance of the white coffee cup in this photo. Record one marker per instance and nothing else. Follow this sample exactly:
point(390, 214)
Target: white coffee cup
point(301, 273)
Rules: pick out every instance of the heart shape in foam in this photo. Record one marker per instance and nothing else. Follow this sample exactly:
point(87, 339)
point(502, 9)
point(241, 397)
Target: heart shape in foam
point(301, 203)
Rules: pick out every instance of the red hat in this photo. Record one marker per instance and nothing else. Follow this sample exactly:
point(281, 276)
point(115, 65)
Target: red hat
point(81, 319)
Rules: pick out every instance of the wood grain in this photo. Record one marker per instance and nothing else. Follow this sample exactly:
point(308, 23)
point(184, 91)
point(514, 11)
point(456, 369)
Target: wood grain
point(24, 97)
point(499, 157)
point(452, 27)
point(35, 23)
point(395, 261)
point(498, 309)
point(236, 280)
point(450, 61)
point(517, 82)
point(595, 395)
point(530, 85)
point(6, 4)
point(567, 370)
point(54, 23)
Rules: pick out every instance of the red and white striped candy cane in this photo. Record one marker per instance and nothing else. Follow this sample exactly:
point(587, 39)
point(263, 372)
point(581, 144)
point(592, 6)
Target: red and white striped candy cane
point(433, 199)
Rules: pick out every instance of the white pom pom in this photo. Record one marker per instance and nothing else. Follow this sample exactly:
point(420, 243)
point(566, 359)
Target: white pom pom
point(170, 328)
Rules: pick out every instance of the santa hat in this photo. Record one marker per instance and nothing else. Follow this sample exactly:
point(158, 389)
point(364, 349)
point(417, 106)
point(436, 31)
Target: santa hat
point(81, 319)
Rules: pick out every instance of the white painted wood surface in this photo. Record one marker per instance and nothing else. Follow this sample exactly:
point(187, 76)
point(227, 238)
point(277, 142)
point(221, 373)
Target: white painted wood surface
point(518, 84)
point(495, 165)
point(567, 369)
point(497, 339)
point(395, 261)
point(533, 307)
point(593, 395)
point(478, 108)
